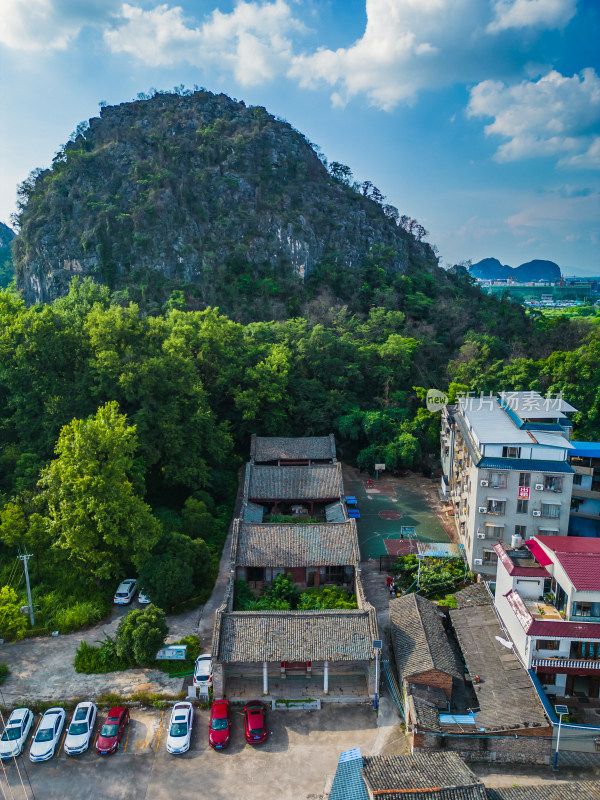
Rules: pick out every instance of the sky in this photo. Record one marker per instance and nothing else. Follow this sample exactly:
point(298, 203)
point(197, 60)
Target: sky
point(479, 118)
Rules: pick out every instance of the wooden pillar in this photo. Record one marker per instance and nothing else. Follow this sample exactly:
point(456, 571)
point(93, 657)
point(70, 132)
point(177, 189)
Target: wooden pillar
point(312, 507)
point(265, 679)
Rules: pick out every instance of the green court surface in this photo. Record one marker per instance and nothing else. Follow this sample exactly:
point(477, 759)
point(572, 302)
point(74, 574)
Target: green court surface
point(373, 528)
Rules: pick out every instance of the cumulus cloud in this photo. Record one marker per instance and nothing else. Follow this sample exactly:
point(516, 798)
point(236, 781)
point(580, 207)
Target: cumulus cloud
point(510, 14)
point(554, 116)
point(38, 25)
point(252, 40)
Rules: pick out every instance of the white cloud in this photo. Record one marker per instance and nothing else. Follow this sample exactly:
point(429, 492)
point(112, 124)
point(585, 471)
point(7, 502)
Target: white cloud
point(251, 40)
point(38, 25)
point(559, 214)
point(511, 14)
point(555, 116)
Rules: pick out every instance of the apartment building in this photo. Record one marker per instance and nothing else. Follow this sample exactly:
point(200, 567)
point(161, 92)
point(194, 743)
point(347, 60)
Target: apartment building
point(548, 596)
point(585, 502)
point(505, 461)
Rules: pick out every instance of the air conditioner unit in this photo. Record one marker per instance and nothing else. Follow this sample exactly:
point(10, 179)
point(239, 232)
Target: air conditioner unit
point(536, 513)
point(484, 483)
point(477, 562)
point(539, 487)
point(482, 510)
point(481, 535)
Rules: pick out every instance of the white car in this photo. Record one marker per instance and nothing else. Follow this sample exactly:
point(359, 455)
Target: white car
point(16, 732)
point(81, 728)
point(143, 598)
point(180, 728)
point(125, 592)
point(203, 671)
point(47, 735)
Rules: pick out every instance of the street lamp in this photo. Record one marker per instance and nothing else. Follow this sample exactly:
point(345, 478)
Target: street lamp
point(377, 645)
point(560, 710)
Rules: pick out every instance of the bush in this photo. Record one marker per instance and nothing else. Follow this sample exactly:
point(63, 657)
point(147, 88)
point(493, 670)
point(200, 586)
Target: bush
point(4, 672)
point(90, 659)
point(327, 597)
point(242, 595)
point(140, 635)
point(77, 616)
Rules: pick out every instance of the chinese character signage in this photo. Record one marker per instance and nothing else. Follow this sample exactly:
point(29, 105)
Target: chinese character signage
point(524, 492)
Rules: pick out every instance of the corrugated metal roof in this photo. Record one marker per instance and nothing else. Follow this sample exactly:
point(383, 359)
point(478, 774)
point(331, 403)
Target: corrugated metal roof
point(526, 465)
point(552, 440)
point(586, 449)
point(531, 404)
point(490, 423)
point(348, 783)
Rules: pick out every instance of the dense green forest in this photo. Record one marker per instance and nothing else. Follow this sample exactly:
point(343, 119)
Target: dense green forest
point(122, 433)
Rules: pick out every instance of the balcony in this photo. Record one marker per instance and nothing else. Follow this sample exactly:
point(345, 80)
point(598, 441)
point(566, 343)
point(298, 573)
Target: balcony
point(566, 663)
point(539, 609)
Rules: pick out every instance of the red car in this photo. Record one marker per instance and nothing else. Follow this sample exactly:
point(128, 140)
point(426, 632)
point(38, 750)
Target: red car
point(220, 725)
point(112, 731)
point(255, 722)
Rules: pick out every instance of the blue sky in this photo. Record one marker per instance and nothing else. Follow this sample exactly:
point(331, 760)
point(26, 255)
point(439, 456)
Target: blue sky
point(481, 118)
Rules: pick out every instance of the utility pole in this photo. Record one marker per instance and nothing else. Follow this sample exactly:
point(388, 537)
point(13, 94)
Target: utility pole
point(24, 558)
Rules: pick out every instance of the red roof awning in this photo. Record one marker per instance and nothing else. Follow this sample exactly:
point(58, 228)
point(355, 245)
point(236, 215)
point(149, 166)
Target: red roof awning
point(538, 552)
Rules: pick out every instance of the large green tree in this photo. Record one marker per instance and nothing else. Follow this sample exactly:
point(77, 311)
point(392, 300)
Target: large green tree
point(94, 511)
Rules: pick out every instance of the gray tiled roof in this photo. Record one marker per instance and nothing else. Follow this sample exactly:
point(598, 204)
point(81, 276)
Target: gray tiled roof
point(575, 790)
point(309, 545)
point(424, 714)
point(274, 448)
point(335, 512)
point(506, 696)
point(419, 639)
point(331, 635)
point(474, 595)
point(321, 482)
point(431, 776)
point(252, 512)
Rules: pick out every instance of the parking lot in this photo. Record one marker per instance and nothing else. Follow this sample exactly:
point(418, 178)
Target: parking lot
point(301, 752)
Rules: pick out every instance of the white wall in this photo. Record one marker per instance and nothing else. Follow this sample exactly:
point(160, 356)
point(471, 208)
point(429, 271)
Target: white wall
point(530, 588)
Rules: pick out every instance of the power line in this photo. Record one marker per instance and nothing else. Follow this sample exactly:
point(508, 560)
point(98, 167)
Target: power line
point(15, 758)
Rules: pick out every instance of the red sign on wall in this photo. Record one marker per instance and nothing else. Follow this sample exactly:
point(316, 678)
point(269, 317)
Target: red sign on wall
point(524, 492)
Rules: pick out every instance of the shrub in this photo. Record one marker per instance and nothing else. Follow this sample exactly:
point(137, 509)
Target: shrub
point(327, 597)
point(13, 624)
point(90, 659)
point(141, 634)
point(4, 672)
point(76, 616)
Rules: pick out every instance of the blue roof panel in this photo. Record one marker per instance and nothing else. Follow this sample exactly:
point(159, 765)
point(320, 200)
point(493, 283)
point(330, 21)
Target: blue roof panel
point(348, 783)
point(586, 449)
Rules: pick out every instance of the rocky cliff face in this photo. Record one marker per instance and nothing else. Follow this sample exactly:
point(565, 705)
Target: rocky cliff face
point(196, 193)
point(6, 268)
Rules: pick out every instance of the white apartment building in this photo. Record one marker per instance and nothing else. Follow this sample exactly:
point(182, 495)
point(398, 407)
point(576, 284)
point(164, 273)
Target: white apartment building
point(548, 596)
point(505, 462)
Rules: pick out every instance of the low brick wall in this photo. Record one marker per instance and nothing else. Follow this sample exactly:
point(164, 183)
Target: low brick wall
point(532, 748)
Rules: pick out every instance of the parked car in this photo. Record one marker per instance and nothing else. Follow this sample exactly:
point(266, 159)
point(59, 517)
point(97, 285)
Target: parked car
point(16, 732)
point(112, 731)
point(143, 598)
point(47, 735)
point(203, 671)
point(81, 728)
point(255, 722)
point(125, 592)
point(219, 728)
point(180, 728)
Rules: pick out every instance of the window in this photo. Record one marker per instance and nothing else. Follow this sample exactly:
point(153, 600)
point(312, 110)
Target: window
point(552, 484)
point(586, 609)
point(489, 557)
point(547, 644)
point(577, 479)
point(520, 530)
point(511, 452)
point(494, 531)
point(496, 507)
point(498, 480)
point(255, 573)
point(575, 503)
point(546, 678)
point(547, 532)
point(524, 478)
point(522, 506)
point(551, 510)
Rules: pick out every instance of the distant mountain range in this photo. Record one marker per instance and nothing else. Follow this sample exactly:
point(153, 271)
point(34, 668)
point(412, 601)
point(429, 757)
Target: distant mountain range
point(536, 270)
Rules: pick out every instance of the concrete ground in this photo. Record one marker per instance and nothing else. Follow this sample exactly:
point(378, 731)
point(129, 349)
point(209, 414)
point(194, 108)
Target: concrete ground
point(296, 763)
